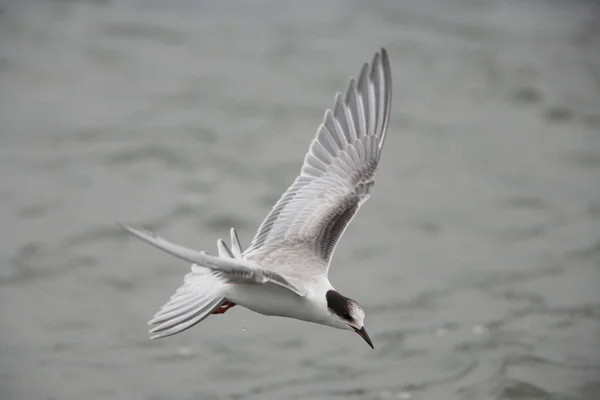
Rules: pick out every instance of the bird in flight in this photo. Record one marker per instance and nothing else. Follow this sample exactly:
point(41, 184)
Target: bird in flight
point(284, 271)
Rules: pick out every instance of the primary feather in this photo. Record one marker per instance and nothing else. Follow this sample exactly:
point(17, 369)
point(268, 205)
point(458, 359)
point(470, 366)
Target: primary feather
point(200, 294)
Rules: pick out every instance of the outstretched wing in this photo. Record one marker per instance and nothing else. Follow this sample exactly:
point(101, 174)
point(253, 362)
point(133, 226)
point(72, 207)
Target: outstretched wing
point(230, 268)
point(338, 171)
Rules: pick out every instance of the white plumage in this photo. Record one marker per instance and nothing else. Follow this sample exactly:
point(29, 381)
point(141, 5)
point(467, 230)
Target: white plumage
point(284, 270)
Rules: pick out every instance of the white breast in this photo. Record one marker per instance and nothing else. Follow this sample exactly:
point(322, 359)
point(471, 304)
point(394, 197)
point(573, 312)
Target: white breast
point(276, 301)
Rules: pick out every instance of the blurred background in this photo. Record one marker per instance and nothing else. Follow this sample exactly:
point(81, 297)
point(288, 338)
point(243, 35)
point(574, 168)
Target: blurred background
point(477, 257)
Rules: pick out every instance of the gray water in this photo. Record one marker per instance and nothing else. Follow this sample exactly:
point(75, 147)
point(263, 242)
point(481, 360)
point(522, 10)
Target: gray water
point(477, 258)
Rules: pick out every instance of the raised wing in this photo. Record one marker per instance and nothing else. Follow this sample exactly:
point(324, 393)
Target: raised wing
point(338, 171)
point(228, 267)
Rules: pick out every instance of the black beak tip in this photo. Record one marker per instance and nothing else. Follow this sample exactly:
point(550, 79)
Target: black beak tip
point(363, 334)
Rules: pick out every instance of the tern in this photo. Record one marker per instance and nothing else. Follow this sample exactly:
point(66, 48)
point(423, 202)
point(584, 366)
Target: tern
point(284, 271)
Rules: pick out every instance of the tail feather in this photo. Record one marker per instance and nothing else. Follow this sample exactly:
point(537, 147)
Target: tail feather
point(224, 251)
point(236, 247)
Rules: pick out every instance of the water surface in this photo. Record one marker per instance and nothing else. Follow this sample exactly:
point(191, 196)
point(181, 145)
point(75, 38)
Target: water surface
point(477, 257)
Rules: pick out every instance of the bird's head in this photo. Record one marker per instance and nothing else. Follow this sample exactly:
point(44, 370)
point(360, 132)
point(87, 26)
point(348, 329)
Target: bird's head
point(348, 314)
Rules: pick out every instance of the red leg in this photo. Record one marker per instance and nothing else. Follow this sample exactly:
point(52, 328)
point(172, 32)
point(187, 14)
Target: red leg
point(224, 307)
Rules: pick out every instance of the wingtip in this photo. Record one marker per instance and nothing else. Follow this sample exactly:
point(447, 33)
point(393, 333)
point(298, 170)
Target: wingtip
point(138, 232)
point(376, 58)
point(385, 62)
point(155, 336)
point(128, 228)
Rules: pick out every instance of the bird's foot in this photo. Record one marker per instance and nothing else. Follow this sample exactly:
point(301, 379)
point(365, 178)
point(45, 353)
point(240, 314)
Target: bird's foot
point(224, 307)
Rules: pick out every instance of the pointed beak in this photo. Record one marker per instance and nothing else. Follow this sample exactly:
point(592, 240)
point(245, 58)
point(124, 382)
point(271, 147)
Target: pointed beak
point(363, 334)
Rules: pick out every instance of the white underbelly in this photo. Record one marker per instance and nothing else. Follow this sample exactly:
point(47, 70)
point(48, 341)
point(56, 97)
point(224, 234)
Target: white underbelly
point(273, 300)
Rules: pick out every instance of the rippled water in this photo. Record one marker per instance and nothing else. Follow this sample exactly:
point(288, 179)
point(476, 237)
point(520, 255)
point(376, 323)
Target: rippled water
point(477, 258)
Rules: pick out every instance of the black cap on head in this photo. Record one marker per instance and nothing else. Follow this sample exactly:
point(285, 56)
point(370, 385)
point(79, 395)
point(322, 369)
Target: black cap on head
point(339, 305)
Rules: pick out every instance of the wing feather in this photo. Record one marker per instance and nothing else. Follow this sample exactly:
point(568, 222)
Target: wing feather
point(225, 265)
point(338, 172)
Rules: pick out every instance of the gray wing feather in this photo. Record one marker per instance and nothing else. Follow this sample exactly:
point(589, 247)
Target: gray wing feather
point(338, 172)
point(231, 268)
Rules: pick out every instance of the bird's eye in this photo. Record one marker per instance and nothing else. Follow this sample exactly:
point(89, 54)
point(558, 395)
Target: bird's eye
point(346, 316)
